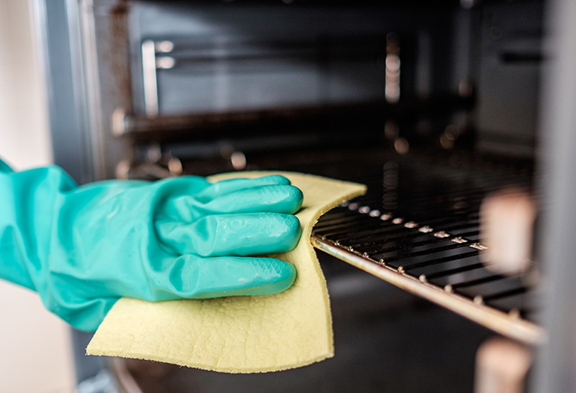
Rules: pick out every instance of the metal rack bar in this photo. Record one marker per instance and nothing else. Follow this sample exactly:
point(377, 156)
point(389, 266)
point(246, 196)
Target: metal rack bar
point(509, 324)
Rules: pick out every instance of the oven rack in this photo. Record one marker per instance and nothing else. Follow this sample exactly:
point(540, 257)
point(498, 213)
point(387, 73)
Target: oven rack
point(509, 324)
point(419, 230)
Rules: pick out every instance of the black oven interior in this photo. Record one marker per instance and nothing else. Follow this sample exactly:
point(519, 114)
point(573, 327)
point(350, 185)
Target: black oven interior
point(431, 106)
point(209, 81)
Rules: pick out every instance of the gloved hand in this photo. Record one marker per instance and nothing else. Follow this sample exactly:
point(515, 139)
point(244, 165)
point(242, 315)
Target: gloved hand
point(82, 248)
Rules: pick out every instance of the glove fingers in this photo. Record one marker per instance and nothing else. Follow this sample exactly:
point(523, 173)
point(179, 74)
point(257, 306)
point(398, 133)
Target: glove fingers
point(180, 186)
point(202, 278)
point(233, 234)
point(272, 199)
point(175, 189)
point(228, 186)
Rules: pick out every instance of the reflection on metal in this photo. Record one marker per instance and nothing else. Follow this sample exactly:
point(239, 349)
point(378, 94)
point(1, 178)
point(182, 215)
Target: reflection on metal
point(238, 160)
point(149, 75)
point(447, 141)
point(164, 46)
point(401, 146)
point(165, 63)
point(465, 88)
point(391, 130)
point(175, 166)
point(123, 169)
point(479, 246)
point(392, 64)
point(153, 153)
point(503, 323)
point(118, 122)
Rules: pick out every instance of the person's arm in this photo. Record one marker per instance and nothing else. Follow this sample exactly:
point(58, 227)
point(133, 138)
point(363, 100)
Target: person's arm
point(30, 202)
point(82, 248)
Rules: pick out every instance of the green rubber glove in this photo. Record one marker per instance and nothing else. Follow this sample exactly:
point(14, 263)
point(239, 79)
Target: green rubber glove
point(82, 248)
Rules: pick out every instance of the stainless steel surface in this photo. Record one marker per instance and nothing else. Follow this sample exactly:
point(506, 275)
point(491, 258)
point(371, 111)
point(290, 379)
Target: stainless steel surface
point(557, 360)
point(105, 44)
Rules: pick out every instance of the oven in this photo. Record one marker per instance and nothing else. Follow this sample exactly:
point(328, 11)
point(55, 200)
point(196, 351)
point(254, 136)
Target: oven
point(433, 106)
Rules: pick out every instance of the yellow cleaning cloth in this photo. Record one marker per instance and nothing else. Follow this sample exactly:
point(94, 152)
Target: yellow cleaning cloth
point(239, 334)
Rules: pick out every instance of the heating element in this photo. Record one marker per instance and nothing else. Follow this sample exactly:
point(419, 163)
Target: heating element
point(418, 228)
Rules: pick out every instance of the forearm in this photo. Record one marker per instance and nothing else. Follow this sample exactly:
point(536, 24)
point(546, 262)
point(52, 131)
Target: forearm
point(30, 203)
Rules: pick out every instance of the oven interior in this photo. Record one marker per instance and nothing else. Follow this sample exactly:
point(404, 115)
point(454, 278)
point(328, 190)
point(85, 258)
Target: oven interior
point(432, 106)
